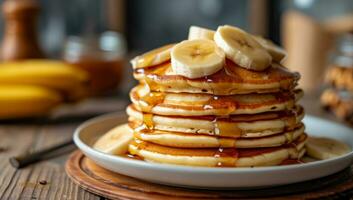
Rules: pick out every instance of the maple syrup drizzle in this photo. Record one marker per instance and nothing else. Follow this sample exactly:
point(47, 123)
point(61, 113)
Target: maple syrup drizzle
point(214, 102)
point(140, 144)
point(151, 99)
point(147, 120)
point(151, 77)
point(227, 157)
point(152, 85)
point(223, 128)
point(148, 101)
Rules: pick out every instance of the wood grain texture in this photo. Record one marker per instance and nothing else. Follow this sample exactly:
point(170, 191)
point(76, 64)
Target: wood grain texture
point(24, 136)
point(26, 183)
point(98, 180)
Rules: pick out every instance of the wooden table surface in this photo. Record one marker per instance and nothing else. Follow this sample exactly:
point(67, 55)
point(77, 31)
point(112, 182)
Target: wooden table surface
point(23, 136)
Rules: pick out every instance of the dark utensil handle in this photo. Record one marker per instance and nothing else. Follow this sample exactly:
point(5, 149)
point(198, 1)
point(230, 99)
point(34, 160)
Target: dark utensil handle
point(27, 159)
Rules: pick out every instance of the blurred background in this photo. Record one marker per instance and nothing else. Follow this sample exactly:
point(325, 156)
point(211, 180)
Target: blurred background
point(100, 36)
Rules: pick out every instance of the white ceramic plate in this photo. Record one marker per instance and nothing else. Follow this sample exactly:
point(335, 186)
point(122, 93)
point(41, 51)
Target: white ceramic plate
point(206, 177)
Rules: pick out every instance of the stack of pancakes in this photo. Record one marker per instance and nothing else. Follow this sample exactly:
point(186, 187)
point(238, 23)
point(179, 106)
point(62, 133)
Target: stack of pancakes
point(233, 118)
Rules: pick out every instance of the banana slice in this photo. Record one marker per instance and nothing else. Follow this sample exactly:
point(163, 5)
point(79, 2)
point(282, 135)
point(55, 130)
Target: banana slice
point(197, 58)
point(325, 148)
point(151, 58)
point(196, 32)
point(277, 53)
point(115, 141)
point(241, 48)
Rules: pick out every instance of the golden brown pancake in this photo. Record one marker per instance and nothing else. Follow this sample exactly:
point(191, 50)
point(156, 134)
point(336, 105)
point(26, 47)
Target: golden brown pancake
point(231, 79)
point(223, 157)
point(183, 140)
point(231, 126)
point(184, 104)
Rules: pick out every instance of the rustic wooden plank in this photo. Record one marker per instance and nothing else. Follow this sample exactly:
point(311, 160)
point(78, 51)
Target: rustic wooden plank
point(17, 138)
point(49, 181)
point(15, 141)
point(26, 183)
point(52, 134)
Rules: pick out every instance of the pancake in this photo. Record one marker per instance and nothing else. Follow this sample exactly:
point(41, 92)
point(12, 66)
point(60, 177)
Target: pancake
point(233, 126)
point(184, 104)
point(231, 79)
point(182, 140)
point(221, 157)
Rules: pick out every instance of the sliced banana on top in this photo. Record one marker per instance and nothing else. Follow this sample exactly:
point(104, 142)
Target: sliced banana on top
point(325, 148)
point(277, 53)
point(197, 58)
point(115, 141)
point(151, 58)
point(196, 32)
point(242, 48)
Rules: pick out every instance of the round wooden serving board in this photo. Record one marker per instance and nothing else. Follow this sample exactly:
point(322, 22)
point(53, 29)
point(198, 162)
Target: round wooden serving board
point(100, 181)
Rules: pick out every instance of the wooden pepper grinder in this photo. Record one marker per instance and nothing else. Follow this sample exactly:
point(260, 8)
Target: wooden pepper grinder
point(20, 35)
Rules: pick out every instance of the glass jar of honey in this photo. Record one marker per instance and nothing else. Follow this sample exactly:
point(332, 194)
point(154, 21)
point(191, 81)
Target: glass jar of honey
point(101, 56)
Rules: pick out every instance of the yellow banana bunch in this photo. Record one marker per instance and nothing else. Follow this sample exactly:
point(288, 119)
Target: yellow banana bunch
point(34, 87)
point(47, 73)
point(17, 101)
